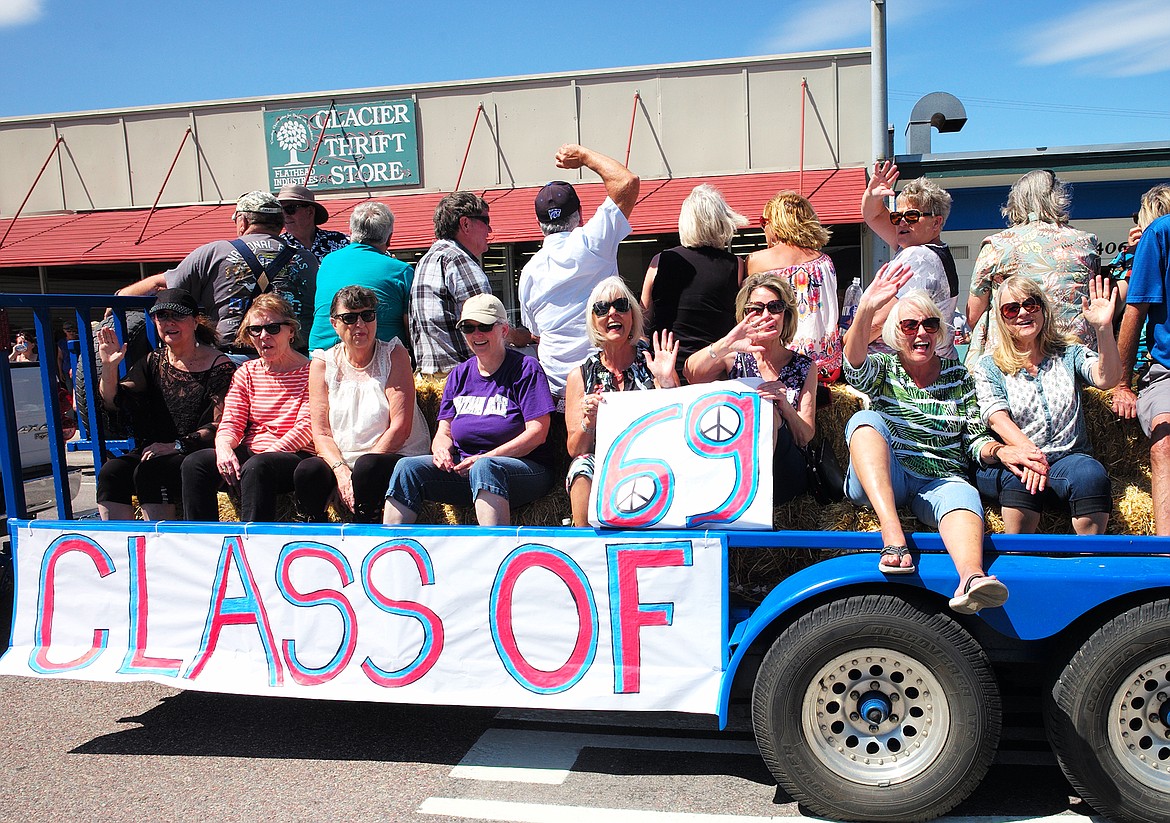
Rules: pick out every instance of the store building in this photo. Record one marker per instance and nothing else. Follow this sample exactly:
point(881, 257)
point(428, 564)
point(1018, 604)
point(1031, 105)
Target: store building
point(750, 126)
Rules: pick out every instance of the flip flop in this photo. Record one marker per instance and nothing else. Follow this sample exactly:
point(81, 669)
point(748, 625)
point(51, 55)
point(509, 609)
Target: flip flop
point(980, 592)
point(898, 552)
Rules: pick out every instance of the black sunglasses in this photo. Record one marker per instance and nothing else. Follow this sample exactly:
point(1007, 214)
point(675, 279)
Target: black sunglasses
point(483, 218)
point(1031, 305)
point(166, 316)
point(351, 317)
point(929, 325)
point(911, 216)
point(467, 327)
point(773, 307)
point(272, 328)
point(601, 307)
point(1135, 217)
point(292, 207)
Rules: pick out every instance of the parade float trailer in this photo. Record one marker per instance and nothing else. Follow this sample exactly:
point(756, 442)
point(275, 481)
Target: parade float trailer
point(870, 699)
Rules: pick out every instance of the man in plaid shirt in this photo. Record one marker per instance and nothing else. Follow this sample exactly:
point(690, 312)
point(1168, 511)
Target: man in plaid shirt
point(448, 274)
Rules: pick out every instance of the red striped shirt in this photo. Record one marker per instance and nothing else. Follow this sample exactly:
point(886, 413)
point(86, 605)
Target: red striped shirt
point(267, 411)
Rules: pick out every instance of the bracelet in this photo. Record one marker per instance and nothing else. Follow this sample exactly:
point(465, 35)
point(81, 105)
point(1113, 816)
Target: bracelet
point(711, 352)
point(585, 427)
point(333, 466)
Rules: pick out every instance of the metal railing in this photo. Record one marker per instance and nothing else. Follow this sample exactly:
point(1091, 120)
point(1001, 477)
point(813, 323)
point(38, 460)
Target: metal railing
point(80, 307)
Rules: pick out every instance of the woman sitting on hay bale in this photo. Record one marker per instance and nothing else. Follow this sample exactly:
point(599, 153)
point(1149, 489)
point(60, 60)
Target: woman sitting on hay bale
point(624, 362)
point(1029, 395)
point(361, 397)
point(758, 347)
point(913, 444)
point(493, 421)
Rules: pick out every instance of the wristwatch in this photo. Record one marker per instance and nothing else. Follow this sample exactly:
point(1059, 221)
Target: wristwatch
point(178, 444)
point(711, 352)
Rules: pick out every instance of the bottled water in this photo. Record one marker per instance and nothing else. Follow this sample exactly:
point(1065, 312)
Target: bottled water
point(849, 305)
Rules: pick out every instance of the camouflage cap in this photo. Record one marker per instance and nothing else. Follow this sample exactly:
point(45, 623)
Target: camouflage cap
point(259, 202)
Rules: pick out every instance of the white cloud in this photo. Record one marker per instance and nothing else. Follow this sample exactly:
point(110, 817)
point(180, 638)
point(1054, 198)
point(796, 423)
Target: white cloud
point(1124, 39)
point(17, 12)
point(808, 24)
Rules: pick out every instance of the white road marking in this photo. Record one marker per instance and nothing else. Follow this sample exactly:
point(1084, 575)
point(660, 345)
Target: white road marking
point(512, 812)
point(525, 756)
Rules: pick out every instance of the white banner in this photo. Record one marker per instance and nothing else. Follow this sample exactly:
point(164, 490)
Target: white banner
point(691, 457)
point(536, 618)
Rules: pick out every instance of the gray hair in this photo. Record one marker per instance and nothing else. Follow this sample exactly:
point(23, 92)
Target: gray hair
point(268, 221)
point(918, 299)
point(1038, 192)
point(371, 223)
point(568, 224)
point(927, 195)
point(706, 220)
point(454, 206)
point(612, 288)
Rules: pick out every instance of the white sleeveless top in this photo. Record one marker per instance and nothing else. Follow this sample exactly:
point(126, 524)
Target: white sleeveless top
point(358, 409)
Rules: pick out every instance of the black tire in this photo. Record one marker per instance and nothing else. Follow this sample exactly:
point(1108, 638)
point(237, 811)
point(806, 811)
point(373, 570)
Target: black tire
point(934, 739)
point(1108, 716)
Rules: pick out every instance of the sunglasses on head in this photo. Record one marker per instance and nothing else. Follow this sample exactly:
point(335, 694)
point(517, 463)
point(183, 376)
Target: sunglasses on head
point(467, 327)
point(773, 307)
point(911, 216)
point(929, 325)
point(165, 316)
point(1010, 311)
point(602, 307)
point(291, 208)
point(272, 328)
point(351, 317)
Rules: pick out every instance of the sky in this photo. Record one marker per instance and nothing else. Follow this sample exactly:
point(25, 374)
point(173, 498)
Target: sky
point(1039, 73)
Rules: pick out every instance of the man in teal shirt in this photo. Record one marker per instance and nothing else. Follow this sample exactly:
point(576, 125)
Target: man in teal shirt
point(364, 262)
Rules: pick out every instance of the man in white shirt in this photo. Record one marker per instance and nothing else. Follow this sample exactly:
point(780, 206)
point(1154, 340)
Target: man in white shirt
point(556, 282)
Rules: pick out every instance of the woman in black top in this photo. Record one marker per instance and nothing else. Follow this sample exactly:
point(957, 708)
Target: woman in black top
point(173, 397)
point(690, 290)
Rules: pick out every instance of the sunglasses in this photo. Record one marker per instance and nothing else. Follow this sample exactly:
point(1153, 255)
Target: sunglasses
point(483, 218)
point(273, 329)
point(351, 317)
point(165, 316)
point(929, 325)
point(773, 307)
point(763, 221)
point(467, 327)
point(601, 307)
point(911, 216)
point(1134, 216)
point(1012, 310)
point(291, 208)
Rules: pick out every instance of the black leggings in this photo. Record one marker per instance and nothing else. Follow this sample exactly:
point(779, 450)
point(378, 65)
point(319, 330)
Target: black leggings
point(262, 477)
point(315, 482)
point(157, 480)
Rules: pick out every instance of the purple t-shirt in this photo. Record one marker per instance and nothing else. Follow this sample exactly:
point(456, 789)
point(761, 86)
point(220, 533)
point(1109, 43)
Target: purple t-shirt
point(486, 412)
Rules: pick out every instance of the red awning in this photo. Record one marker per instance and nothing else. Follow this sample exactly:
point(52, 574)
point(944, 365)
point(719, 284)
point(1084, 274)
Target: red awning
point(112, 236)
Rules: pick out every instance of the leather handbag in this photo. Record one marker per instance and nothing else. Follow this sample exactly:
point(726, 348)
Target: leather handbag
point(826, 481)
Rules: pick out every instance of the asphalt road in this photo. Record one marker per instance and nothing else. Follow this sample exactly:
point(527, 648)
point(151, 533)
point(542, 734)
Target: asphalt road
point(73, 750)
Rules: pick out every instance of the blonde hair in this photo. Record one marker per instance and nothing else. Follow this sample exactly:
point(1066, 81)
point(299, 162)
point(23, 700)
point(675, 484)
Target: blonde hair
point(706, 220)
point(927, 195)
point(1155, 204)
point(1038, 192)
point(1008, 357)
point(612, 288)
point(770, 281)
point(916, 299)
point(793, 221)
point(273, 304)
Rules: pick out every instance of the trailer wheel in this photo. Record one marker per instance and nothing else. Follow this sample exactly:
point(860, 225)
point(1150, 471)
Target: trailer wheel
point(871, 708)
point(1108, 716)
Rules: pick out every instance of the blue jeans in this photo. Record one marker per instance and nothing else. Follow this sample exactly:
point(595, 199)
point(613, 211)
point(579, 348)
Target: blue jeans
point(1077, 479)
point(930, 498)
point(516, 479)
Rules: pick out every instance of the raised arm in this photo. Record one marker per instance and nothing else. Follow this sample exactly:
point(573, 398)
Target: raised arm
point(883, 290)
point(621, 184)
point(873, 202)
point(1098, 310)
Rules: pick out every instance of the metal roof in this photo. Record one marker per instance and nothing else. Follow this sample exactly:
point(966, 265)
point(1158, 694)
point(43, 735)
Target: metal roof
point(112, 236)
